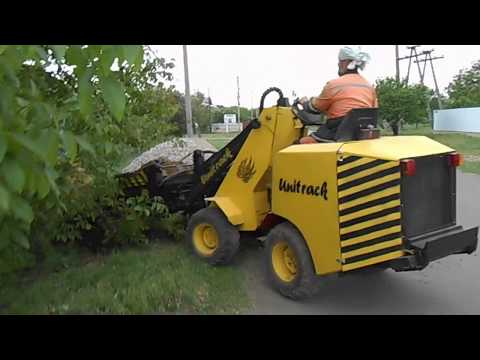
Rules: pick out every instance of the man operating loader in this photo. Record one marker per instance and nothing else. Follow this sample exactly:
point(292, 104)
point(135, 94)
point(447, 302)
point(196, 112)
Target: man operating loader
point(339, 96)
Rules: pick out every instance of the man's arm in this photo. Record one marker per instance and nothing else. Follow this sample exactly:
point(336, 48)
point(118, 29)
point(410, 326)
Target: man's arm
point(323, 101)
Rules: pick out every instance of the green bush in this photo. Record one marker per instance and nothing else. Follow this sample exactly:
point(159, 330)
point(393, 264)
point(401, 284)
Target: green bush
point(70, 117)
point(14, 258)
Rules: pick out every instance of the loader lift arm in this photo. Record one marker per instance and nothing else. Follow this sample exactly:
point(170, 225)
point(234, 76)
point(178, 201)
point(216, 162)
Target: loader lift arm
point(186, 189)
point(209, 174)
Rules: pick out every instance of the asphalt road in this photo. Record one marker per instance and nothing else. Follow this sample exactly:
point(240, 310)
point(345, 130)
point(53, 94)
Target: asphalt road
point(447, 286)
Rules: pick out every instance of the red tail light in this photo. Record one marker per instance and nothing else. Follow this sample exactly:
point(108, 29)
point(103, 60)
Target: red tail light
point(408, 167)
point(455, 159)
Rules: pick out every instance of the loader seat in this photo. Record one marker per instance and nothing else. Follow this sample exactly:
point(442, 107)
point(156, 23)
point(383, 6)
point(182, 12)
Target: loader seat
point(357, 119)
point(351, 126)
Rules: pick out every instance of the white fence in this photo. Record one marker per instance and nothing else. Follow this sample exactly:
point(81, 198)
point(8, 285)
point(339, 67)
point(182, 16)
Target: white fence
point(464, 120)
point(226, 128)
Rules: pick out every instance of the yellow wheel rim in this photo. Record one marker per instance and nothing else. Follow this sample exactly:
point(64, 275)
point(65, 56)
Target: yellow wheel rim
point(284, 261)
point(205, 239)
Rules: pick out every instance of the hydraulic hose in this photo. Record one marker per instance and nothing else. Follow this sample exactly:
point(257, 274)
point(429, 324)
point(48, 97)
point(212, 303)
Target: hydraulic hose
point(264, 95)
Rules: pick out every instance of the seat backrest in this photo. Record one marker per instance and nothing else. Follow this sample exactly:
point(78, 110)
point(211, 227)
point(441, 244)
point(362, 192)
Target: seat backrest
point(354, 121)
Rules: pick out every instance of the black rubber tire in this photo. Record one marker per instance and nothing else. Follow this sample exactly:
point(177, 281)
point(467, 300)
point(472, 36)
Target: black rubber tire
point(228, 235)
point(305, 284)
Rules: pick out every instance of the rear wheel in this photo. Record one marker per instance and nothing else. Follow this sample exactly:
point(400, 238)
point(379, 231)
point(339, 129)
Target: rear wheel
point(289, 264)
point(212, 237)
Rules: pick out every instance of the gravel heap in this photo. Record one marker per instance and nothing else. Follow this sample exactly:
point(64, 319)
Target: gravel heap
point(173, 150)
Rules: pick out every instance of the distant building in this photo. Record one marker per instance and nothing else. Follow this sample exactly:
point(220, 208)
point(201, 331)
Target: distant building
point(229, 124)
point(229, 118)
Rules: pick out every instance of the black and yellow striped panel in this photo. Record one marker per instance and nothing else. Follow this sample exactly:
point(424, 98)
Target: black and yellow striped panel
point(136, 180)
point(369, 211)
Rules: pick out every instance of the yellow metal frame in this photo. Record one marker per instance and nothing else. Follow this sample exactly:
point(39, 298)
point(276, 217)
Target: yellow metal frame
point(339, 236)
point(247, 203)
point(316, 217)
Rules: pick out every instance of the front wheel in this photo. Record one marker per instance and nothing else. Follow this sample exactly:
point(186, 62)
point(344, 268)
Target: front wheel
point(289, 264)
point(212, 237)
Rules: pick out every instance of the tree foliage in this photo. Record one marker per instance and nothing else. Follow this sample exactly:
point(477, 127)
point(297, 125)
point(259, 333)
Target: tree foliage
point(464, 90)
point(401, 102)
point(69, 117)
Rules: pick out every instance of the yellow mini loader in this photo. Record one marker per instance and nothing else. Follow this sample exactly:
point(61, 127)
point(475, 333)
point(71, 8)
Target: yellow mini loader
point(334, 207)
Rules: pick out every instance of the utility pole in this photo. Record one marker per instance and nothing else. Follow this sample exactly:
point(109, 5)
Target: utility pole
point(209, 108)
point(188, 100)
point(428, 57)
point(397, 64)
point(238, 98)
point(251, 107)
point(422, 79)
point(414, 49)
point(413, 54)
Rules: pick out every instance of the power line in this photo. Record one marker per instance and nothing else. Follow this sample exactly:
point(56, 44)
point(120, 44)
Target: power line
point(427, 57)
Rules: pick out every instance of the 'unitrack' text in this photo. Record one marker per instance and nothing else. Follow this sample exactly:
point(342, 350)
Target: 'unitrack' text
point(305, 189)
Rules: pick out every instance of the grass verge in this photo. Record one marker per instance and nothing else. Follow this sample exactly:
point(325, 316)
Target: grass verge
point(220, 135)
point(219, 140)
point(218, 143)
point(159, 278)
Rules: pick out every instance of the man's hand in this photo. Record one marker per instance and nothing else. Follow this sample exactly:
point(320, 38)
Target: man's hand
point(304, 100)
point(307, 106)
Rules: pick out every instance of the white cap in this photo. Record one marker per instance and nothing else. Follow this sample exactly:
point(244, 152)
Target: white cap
point(358, 57)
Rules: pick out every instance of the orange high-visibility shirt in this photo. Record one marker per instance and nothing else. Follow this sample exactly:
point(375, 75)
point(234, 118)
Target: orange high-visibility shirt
point(339, 96)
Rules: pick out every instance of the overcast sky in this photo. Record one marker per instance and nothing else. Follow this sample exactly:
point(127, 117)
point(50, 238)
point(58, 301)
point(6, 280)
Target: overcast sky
point(300, 68)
